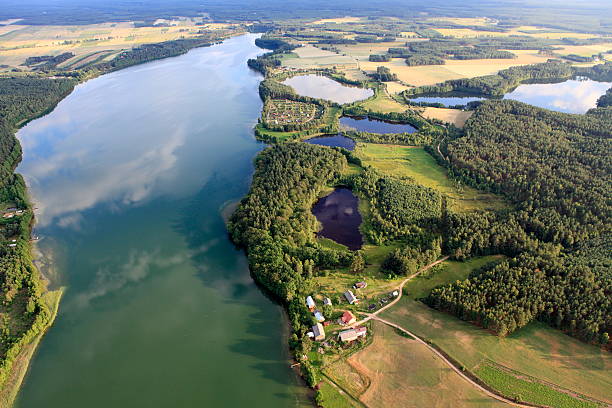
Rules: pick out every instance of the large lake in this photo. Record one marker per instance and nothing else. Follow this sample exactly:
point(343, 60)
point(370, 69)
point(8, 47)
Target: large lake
point(318, 86)
point(131, 174)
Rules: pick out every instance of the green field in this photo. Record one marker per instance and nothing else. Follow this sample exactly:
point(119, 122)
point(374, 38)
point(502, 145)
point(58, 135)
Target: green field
point(536, 350)
point(416, 163)
point(448, 271)
point(531, 391)
point(330, 397)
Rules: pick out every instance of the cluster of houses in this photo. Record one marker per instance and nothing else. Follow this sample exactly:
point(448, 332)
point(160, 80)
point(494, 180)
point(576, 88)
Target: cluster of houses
point(286, 111)
point(348, 318)
point(12, 212)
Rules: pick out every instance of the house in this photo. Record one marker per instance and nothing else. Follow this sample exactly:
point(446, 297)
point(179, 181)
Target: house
point(350, 335)
point(310, 303)
point(360, 285)
point(319, 332)
point(350, 297)
point(327, 302)
point(319, 316)
point(395, 293)
point(348, 318)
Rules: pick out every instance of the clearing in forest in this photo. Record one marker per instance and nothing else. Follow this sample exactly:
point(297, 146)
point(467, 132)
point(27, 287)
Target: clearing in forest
point(416, 163)
point(455, 116)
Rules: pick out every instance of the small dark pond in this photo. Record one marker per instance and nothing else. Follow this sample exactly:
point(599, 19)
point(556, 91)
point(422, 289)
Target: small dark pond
point(339, 215)
point(375, 126)
point(333, 141)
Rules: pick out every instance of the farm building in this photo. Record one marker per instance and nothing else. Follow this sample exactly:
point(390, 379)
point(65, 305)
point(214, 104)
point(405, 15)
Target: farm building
point(348, 318)
point(347, 336)
point(319, 316)
point(310, 303)
point(350, 297)
point(319, 332)
point(327, 301)
point(360, 285)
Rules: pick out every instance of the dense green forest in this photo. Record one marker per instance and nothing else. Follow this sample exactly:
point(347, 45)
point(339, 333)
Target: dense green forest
point(605, 100)
point(557, 170)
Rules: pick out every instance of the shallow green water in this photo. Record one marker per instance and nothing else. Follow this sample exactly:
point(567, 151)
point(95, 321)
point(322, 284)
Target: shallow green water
point(131, 173)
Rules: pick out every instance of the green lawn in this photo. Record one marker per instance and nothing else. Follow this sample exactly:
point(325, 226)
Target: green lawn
point(446, 272)
point(416, 163)
point(529, 391)
point(331, 397)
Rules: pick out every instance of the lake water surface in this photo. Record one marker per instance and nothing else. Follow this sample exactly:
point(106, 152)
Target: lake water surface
point(318, 86)
point(131, 173)
point(375, 126)
point(572, 96)
point(339, 215)
point(333, 141)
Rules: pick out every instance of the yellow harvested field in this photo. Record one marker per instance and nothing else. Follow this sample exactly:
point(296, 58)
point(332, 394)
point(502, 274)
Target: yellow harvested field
point(453, 69)
point(339, 20)
point(400, 372)
point(5, 29)
point(455, 116)
point(532, 31)
point(395, 87)
point(27, 41)
point(584, 50)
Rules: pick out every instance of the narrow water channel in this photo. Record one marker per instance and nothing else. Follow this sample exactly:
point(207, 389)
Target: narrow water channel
point(131, 173)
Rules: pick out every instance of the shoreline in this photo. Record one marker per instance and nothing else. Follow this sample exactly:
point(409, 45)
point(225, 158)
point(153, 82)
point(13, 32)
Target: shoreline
point(19, 367)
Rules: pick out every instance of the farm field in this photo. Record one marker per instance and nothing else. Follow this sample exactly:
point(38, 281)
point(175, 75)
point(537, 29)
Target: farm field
point(455, 116)
point(397, 371)
point(453, 69)
point(536, 350)
point(416, 163)
point(17, 42)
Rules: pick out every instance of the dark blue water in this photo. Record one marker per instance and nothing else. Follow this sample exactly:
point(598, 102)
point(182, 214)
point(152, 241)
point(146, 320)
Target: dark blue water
point(339, 215)
point(375, 126)
point(333, 141)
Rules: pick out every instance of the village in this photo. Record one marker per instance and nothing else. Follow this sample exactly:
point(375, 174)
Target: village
point(349, 331)
point(280, 112)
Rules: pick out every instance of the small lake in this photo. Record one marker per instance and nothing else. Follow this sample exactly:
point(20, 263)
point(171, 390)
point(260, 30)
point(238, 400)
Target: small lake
point(333, 141)
point(446, 100)
point(375, 126)
point(339, 215)
point(317, 86)
point(572, 96)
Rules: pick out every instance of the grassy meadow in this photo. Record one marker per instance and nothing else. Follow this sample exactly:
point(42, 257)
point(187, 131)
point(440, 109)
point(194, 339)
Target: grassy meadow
point(416, 163)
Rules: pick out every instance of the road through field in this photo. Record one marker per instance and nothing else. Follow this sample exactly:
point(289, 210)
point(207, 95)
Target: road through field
point(369, 316)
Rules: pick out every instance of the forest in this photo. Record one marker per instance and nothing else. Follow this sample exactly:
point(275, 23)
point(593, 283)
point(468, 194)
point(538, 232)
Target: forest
point(557, 170)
